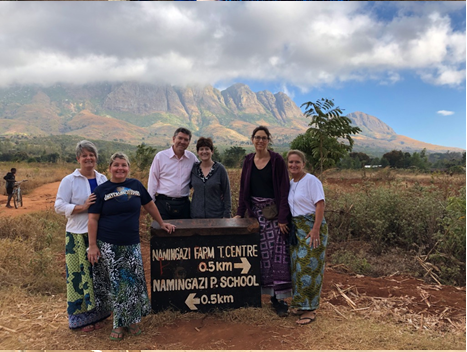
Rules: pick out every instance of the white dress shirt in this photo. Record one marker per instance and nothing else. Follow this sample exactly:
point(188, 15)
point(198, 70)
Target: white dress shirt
point(74, 190)
point(170, 175)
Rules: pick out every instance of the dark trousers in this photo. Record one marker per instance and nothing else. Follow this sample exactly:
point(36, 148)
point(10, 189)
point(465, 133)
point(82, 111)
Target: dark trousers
point(9, 191)
point(173, 208)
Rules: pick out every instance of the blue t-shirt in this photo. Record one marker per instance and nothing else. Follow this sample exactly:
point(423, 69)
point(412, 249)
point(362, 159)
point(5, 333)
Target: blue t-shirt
point(119, 206)
point(92, 183)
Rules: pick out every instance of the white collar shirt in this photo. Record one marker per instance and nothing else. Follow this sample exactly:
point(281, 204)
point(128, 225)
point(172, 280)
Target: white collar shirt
point(170, 175)
point(74, 190)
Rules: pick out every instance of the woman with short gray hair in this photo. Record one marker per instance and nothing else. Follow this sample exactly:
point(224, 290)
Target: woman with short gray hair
point(74, 197)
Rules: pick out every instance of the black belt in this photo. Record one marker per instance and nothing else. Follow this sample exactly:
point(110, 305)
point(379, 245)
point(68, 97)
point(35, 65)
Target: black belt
point(163, 196)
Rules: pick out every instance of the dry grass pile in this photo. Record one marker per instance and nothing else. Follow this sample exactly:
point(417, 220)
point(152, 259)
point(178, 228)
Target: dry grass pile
point(30, 321)
point(397, 310)
point(40, 322)
point(32, 252)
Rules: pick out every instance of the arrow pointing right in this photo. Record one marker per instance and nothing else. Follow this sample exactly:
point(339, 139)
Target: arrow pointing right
point(244, 265)
point(191, 301)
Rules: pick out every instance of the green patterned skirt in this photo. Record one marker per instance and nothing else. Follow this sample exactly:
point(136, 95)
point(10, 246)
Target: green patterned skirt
point(307, 264)
point(81, 300)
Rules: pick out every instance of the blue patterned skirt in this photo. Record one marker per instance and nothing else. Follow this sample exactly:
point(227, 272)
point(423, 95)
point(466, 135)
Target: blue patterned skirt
point(275, 257)
point(307, 264)
point(121, 276)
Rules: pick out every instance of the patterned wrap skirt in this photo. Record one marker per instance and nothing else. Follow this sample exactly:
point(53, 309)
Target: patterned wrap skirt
point(120, 279)
point(307, 264)
point(275, 257)
point(81, 298)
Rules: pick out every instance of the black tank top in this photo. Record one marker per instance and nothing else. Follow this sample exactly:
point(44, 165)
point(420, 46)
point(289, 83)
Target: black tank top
point(261, 181)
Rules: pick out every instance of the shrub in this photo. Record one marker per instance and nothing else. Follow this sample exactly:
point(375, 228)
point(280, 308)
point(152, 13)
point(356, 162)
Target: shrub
point(449, 253)
point(354, 262)
point(419, 219)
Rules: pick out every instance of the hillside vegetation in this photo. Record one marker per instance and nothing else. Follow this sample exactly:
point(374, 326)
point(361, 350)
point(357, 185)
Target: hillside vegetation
point(135, 112)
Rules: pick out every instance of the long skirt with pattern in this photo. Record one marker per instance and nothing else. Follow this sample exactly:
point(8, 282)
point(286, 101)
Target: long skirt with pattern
point(122, 278)
point(307, 264)
point(81, 300)
point(275, 257)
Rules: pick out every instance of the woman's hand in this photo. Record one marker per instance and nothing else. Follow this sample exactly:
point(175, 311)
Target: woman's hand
point(91, 200)
point(314, 237)
point(284, 228)
point(93, 254)
point(237, 217)
point(84, 207)
point(168, 227)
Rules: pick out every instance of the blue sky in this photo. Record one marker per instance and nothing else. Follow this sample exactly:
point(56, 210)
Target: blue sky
point(403, 62)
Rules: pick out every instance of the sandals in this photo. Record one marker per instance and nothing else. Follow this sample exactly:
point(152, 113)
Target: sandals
point(92, 327)
point(296, 311)
point(88, 328)
point(116, 335)
point(134, 330)
point(304, 320)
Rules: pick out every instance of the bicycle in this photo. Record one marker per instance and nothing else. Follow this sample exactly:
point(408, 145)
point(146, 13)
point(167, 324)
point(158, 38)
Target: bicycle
point(17, 195)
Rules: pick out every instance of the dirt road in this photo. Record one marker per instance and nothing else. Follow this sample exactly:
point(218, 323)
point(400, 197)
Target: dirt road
point(41, 198)
point(435, 307)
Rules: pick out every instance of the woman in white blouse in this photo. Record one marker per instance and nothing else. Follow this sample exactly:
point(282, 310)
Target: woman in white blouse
point(74, 197)
point(306, 202)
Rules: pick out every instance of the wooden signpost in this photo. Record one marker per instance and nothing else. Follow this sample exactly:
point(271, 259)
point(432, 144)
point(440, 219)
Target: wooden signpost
point(206, 264)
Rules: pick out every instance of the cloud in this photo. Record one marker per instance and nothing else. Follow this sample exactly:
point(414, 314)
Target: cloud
point(445, 112)
point(296, 45)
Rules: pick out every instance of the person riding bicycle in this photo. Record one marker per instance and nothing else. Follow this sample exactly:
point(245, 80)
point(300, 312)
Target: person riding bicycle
point(10, 184)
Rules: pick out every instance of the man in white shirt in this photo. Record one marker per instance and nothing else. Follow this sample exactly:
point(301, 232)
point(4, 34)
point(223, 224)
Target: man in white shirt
point(169, 177)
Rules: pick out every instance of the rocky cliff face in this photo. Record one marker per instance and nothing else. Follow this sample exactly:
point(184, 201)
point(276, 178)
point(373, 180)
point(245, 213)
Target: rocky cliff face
point(230, 114)
point(135, 112)
point(370, 125)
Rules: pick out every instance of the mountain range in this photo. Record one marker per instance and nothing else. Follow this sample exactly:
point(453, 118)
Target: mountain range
point(133, 112)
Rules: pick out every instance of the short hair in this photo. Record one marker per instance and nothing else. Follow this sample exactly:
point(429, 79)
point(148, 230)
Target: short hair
point(84, 144)
point(119, 155)
point(300, 154)
point(13, 169)
point(262, 128)
point(182, 130)
point(204, 142)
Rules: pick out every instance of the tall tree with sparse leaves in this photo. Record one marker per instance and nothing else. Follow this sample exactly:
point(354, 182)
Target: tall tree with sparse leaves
point(323, 141)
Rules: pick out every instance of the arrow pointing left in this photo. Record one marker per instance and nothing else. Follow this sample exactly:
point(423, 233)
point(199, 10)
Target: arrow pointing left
point(191, 301)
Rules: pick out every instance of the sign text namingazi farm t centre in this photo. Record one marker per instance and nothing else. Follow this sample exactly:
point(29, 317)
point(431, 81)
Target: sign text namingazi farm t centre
point(206, 264)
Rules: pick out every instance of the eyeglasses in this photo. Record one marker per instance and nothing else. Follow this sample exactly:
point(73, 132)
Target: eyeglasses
point(259, 138)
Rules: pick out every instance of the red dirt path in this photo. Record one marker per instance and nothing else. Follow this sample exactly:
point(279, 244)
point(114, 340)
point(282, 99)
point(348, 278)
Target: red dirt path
point(407, 295)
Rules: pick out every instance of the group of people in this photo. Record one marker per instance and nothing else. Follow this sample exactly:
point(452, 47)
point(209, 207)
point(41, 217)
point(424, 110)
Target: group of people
point(104, 266)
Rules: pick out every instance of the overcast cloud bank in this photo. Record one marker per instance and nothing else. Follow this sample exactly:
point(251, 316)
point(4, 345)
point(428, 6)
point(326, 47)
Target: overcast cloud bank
point(301, 45)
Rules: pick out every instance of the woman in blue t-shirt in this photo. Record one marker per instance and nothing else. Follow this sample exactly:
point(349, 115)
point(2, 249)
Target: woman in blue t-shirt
point(113, 229)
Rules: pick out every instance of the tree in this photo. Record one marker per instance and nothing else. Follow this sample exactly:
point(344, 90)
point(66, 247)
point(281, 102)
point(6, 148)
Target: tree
point(216, 155)
point(233, 156)
point(395, 158)
point(321, 141)
point(144, 156)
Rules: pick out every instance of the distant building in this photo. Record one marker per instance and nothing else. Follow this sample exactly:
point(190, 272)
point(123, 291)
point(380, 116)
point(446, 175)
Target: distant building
point(372, 166)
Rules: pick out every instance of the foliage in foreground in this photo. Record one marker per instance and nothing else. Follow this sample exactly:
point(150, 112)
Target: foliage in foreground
point(418, 219)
